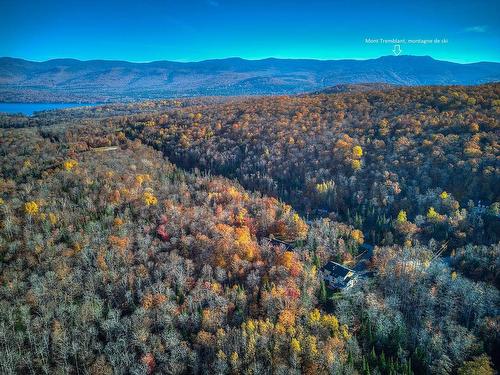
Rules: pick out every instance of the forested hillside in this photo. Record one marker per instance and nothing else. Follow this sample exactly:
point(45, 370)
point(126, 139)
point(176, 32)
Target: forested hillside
point(406, 164)
point(128, 243)
point(113, 260)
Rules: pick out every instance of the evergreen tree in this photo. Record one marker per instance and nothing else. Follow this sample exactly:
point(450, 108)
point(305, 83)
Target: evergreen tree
point(322, 293)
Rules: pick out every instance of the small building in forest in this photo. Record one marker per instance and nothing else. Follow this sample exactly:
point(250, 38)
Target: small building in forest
point(340, 277)
point(337, 276)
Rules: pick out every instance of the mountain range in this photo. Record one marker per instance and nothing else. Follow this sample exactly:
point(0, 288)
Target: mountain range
point(103, 80)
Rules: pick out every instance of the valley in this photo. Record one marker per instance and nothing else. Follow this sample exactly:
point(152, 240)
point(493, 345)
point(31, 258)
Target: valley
point(139, 233)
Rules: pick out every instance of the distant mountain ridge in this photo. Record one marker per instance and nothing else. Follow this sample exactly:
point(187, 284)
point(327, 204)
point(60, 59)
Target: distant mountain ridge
point(102, 80)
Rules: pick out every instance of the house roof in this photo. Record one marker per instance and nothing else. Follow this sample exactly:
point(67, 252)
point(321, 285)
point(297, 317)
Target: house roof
point(336, 270)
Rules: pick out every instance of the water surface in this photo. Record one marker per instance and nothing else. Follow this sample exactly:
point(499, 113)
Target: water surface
point(29, 108)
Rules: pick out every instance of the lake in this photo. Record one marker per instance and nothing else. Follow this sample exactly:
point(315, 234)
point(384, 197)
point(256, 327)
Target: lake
point(29, 108)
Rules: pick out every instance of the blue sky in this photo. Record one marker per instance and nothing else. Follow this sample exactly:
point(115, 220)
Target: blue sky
point(192, 30)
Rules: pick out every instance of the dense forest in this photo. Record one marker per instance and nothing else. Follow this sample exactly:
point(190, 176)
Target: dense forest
point(138, 238)
point(406, 164)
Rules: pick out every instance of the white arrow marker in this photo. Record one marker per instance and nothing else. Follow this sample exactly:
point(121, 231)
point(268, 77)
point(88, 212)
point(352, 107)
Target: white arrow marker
point(397, 50)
